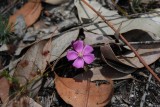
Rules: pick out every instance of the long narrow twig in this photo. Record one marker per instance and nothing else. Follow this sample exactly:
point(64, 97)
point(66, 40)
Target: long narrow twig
point(88, 91)
point(146, 91)
point(123, 39)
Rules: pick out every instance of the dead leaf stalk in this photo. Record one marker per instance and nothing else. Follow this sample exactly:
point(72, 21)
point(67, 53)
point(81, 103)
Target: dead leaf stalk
point(124, 40)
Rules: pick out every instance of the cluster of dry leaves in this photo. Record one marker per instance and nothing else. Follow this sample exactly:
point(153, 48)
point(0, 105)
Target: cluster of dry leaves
point(43, 53)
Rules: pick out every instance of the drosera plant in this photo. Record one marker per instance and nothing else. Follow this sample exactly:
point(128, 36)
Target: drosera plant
point(67, 81)
point(80, 57)
point(81, 54)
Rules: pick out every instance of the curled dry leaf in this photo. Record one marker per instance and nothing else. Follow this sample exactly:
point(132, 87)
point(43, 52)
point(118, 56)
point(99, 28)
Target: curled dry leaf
point(118, 66)
point(4, 89)
point(83, 93)
point(30, 11)
point(123, 59)
point(150, 53)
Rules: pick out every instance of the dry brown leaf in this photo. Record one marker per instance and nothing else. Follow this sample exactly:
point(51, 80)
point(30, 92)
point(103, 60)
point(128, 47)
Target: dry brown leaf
point(4, 89)
point(82, 93)
point(30, 11)
point(33, 61)
point(32, 65)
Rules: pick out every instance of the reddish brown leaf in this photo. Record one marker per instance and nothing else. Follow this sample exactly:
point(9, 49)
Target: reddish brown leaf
point(30, 11)
point(82, 93)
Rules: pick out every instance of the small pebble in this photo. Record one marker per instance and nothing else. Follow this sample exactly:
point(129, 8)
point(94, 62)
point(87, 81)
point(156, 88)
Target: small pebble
point(48, 19)
point(123, 105)
point(47, 23)
point(132, 95)
point(47, 31)
point(30, 29)
point(157, 70)
point(150, 105)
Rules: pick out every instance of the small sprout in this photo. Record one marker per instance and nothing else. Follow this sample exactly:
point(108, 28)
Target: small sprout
point(81, 54)
point(4, 30)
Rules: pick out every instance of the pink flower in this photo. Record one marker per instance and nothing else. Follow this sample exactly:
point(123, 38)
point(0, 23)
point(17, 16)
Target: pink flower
point(81, 54)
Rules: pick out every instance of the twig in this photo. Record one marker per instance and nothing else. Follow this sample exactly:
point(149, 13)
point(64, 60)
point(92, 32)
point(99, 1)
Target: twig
point(88, 91)
point(145, 93)
point(138, 43)
point(123, 39)
point(142, 42)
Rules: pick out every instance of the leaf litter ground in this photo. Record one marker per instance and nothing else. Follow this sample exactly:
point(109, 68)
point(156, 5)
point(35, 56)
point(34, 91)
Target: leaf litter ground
point(133, 89)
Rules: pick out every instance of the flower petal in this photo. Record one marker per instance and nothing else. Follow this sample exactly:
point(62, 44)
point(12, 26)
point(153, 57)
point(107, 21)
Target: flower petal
point(87, 49)
point(72, 55)
point(89, 58)
point(78, 63)
point(78, 46)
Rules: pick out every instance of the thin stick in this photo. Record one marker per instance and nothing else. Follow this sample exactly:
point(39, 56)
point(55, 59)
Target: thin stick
point(142, 42)
point(145, 93)
point(88, 91)
point(124, 40)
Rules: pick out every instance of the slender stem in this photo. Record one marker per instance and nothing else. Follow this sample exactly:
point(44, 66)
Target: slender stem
point(124, 40)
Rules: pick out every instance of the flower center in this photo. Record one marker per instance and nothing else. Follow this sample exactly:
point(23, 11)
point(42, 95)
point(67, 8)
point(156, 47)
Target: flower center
point(80, 54)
